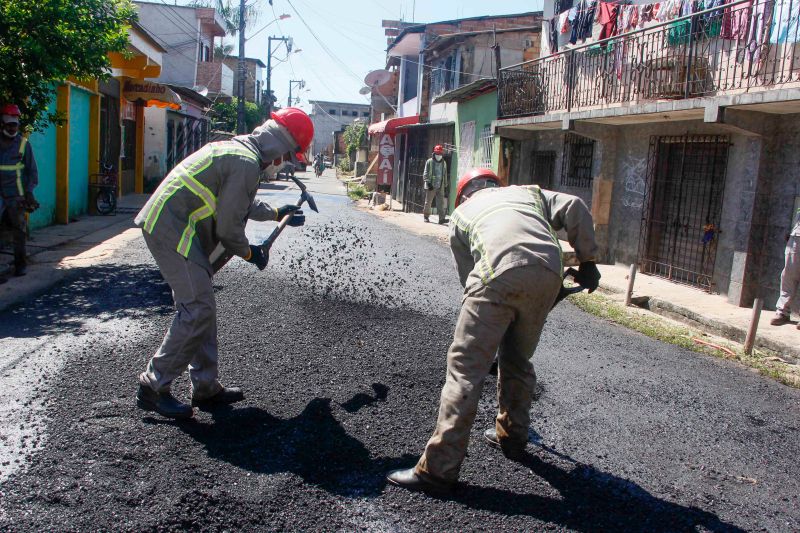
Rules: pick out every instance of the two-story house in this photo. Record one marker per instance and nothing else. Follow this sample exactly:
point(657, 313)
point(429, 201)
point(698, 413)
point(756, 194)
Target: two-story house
point(437, 65)
point(188, 35)
point(330, 117)
point(678, 124)
point(254, 77)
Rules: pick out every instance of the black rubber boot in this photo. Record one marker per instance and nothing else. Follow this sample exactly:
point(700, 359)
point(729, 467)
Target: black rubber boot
point(163, 403)
point(409, 479)
point(226, 396)
point(514, 451)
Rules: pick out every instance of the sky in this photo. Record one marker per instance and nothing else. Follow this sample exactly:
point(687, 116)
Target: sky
point(340, 41)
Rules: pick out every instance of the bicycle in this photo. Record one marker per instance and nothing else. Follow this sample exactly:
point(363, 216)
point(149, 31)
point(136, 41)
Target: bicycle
point(105, 182)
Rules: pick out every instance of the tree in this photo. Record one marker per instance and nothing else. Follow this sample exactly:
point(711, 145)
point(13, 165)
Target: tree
point(45, 42)
point(221, 51)
point(355, 135)
point(226, 115)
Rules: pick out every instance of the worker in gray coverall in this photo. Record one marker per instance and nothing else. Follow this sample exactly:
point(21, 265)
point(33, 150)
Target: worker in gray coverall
point(508, 258)
point(790, 277)
point(204, 202)
point(434, 178)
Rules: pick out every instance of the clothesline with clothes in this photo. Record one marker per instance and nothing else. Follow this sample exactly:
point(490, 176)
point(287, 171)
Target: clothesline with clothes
point(758, 21)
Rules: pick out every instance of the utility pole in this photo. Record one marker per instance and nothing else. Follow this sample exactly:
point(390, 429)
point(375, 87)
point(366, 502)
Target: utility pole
point(240, 122)
point(300, 84)
point(288, 41)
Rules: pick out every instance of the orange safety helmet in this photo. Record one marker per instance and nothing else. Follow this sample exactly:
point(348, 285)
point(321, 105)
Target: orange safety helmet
point(472, 177)
point(299, 125)
point(438, 149)
point(10, 110)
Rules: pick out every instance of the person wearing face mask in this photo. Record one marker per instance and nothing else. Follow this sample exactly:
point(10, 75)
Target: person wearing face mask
point(18, 178)
point(434, 177)
point(203, 203)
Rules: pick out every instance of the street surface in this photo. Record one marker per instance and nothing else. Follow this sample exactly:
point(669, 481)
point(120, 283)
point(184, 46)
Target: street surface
point(340, 348)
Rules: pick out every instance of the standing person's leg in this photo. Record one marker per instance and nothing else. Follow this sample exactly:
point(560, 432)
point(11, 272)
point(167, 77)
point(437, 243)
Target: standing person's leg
point(516, 378)
point(440, 207)
point(194, 320)
point(204, 369)
point(16, 215)
point(429, 195)
point(481, 325)
point(790, 277)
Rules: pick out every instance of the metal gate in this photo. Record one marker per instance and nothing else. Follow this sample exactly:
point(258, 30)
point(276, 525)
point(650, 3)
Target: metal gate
point(683, 206)
point(544, 165)
point(419, 147)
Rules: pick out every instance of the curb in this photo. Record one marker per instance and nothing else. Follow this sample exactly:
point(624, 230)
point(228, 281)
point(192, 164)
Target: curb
point(709, 325)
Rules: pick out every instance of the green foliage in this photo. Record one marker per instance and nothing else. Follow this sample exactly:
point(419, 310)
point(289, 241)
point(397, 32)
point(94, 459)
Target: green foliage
point(357, 192)
point(344, 165)
point(355, 135)
point(254, 115)
point(45, 42)
point(657, 328)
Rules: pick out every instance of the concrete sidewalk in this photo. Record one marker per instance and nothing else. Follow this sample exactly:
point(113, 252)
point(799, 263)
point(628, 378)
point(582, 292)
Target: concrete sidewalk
point(56, 252)
point(708, 312)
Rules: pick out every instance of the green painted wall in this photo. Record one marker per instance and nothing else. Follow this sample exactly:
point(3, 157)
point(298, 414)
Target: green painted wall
point(483, 110)
point(78, 152)
point(44, 151)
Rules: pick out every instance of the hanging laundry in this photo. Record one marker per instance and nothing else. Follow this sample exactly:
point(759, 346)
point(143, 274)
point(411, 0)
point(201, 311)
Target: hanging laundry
point(607, 14)
point(757, 28)
point(563, 22)
point(582, 23)
point(734, 22)
point(785, 18)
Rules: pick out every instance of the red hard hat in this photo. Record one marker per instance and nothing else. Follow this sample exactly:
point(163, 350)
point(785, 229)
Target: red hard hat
point(470, 176)
point(438, 149)
point(10, 109)
point(299, 125)
point(300, 157)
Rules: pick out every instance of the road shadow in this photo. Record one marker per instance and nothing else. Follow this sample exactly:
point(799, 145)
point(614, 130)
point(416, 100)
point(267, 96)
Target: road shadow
point(312, 445)
point(104, 293)
point(590, 500)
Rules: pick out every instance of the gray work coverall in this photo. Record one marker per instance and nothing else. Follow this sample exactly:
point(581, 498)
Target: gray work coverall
point(790, 277)
point(18, 176)
point(509, 261)
point(204, 201)
point(435, 174)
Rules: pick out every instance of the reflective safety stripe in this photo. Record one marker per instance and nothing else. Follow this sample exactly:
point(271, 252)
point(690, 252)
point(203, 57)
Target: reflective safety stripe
point(17, 168)
point(158, 204)
point(21, 166)
point(183, 176)
point(185, 244)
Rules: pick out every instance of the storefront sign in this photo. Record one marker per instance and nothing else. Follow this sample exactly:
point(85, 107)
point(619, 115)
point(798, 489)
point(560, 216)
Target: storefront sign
point(153, 94)
point(385, 159)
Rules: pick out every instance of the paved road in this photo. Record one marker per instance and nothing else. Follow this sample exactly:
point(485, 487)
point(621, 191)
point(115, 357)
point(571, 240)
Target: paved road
point(340, 348)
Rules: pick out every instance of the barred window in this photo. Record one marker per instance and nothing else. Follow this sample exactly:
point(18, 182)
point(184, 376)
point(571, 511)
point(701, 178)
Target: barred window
point(576, 168)
point(487, 143)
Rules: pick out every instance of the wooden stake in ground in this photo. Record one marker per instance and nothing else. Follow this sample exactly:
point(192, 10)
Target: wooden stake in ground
point(751, 332)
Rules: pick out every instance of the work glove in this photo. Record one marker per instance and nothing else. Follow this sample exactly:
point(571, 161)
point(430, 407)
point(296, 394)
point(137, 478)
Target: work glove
point(31, 204)
point(298, 218)
point(588, 276)
point(258, 257)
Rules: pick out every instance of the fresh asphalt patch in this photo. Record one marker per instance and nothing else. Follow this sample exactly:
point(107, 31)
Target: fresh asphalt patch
point(340, 348)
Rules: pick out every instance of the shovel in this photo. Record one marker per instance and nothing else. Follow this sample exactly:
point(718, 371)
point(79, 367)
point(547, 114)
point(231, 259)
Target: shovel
point(220, 256)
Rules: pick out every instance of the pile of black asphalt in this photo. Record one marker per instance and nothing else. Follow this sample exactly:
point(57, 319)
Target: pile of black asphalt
point(340, 348)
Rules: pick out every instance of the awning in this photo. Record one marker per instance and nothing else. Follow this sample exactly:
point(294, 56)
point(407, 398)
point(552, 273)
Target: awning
point(151, 93)
point(388, 126)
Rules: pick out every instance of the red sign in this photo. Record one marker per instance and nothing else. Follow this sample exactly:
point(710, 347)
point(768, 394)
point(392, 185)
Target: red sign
point(385, 159)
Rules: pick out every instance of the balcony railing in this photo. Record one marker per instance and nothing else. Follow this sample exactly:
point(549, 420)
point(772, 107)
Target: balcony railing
point(738, 47)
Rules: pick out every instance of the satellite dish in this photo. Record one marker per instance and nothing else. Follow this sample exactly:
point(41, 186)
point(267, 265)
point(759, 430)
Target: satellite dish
point(377, 77)
point(202, 90)
point(365, 90)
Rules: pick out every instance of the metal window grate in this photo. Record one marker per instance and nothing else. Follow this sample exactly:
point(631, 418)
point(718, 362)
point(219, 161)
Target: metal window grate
point(544, 163)
point(487, 145)
point(576, 169)
point(683, 202)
